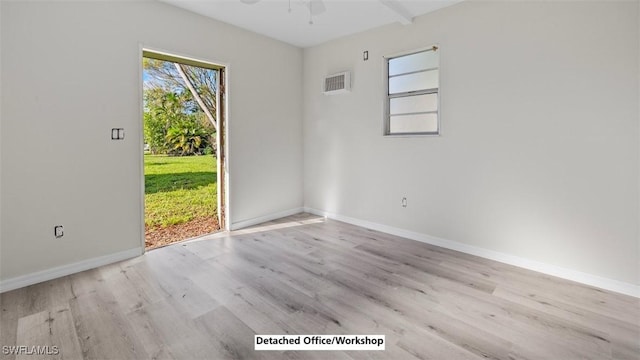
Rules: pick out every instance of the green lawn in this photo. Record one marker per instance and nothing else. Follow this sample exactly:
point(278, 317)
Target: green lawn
point(179, 189)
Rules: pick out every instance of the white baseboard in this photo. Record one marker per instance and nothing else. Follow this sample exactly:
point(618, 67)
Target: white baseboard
point(573, 275)
point(64, 270)
point(258, 220)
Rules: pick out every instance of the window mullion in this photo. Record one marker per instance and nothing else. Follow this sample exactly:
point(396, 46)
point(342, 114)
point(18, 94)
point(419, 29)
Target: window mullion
point(419, 114)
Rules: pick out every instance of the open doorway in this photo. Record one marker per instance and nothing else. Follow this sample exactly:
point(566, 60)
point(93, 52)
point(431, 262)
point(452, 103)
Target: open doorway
point(184, 148)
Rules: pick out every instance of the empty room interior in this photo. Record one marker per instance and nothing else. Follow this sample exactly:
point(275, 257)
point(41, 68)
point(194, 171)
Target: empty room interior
point(402, 180)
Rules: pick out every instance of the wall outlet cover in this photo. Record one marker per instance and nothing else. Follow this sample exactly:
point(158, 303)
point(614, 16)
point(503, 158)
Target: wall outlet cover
point(58, 231)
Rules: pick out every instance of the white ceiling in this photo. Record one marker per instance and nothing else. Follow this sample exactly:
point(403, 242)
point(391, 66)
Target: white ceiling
point(342, 17)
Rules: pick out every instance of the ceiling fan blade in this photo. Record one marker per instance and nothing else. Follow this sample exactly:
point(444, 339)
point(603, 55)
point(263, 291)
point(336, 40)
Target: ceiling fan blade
point(250, 2)
point(316, 7)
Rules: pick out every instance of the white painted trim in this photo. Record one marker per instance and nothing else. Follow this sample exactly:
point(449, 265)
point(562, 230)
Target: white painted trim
point(259, 220)
point(64, 270)
point(568, 274)
point(140, 146)
point(228, 155)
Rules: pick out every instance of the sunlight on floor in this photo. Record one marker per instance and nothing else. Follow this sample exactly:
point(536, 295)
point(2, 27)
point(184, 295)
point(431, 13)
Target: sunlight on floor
point(259, 228)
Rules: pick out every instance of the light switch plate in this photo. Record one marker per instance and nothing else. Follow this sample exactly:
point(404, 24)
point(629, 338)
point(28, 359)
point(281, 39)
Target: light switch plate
point(117, 134)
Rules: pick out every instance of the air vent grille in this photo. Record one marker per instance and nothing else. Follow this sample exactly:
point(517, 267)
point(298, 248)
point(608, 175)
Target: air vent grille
point(337, 83)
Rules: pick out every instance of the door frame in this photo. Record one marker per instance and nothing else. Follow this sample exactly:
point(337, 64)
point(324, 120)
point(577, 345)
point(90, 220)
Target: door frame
point(222, 135)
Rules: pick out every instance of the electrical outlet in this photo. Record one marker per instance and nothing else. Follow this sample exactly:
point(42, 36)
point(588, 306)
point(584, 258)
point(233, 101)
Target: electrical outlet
point(58, 231)
point(404, 202)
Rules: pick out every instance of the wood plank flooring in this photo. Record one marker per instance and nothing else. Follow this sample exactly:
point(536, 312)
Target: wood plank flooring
point(206, 298)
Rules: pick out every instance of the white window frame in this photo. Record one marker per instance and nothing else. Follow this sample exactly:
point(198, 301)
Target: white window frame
point(388, 97)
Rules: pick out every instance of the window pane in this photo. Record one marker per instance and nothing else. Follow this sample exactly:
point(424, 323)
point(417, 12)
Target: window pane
point(423, 123)
point(414, 62)
point(413, 82)
point(413, 104)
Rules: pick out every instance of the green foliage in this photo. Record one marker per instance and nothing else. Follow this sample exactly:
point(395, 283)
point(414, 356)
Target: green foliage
point(188, 138)
point(162, 109)
point(165, 75)
point(172, 126)
point(174, 123)
point(179, 189)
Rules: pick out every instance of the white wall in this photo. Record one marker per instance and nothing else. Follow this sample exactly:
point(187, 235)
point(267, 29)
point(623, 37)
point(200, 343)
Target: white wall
point(1, 131)
point(538, 157)
point(70, 72)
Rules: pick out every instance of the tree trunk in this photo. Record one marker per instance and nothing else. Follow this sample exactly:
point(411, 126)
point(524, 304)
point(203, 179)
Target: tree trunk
point(196, 95)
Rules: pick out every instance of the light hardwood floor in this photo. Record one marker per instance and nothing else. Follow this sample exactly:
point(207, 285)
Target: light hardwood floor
point(205, 299)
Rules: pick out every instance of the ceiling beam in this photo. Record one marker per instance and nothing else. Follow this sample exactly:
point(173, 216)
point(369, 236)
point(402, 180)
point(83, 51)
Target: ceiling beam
point(403, 15)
